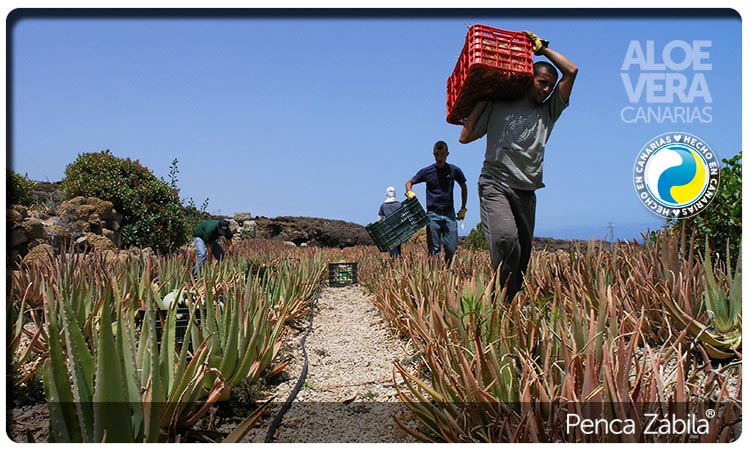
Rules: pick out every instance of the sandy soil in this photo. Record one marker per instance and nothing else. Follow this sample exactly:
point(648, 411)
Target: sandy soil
point(348, 394)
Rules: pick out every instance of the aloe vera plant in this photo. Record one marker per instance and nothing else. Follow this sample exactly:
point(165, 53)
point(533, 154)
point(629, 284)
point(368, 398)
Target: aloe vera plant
point(726, 307)
point(111, 378)
point(125, 387)
point(587, 335)
point(720, 335)
point(605, 334)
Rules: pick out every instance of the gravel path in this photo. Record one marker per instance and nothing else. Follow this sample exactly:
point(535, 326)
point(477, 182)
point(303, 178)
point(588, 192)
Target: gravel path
point(348, 395)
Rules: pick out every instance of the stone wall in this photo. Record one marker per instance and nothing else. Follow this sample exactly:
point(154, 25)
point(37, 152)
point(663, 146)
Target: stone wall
point(82, 223)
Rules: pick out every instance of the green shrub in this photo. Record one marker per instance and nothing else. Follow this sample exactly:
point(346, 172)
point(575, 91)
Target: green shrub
point(151, 209)
point(19, 188)
point(721, 220)
point(476, 239)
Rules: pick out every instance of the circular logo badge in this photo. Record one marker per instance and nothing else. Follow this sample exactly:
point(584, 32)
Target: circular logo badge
point(676, 175)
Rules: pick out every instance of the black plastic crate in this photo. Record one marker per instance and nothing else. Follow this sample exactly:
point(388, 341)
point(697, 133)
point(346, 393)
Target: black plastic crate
point(256, 272)
point(181, 323)
point(342, 274)
point(399, 226)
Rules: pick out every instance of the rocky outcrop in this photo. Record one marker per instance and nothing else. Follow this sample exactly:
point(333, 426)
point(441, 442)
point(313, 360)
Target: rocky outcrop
point(83, 223)
point(312, 231)
point(23, 232)
point(39, 254)
point(92, 224)
point(299, 231)
point(91, 215)
point(241, 217)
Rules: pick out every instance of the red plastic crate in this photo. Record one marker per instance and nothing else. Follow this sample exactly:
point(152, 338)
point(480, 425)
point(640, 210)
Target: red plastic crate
point(494, 65)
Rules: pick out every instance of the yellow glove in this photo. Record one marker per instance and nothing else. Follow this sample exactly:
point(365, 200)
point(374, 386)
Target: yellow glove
point(537, 44)
point(411, 194)
point(461, 214)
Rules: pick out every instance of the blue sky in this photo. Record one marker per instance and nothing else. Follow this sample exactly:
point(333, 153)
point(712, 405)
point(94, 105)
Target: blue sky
point(316, 115)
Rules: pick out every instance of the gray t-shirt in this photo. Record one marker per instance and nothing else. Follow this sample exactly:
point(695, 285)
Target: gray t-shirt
point(516, 135)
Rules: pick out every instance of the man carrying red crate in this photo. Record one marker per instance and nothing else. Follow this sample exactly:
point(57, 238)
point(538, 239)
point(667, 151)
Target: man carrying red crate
point(517, 133)
point(440, 179)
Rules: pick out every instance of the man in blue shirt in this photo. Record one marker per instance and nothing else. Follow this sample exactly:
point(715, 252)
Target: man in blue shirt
point(440, 179)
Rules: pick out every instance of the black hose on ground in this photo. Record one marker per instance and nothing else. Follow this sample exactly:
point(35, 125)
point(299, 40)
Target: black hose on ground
point(288, 403)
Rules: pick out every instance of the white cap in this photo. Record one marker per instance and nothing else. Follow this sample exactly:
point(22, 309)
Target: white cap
point(390, 194)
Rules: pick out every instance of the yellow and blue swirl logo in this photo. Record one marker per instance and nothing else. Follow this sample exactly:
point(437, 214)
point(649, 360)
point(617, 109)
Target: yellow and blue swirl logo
point(676, 175)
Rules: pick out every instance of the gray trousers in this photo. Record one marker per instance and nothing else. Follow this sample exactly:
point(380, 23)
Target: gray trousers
point(508, 217)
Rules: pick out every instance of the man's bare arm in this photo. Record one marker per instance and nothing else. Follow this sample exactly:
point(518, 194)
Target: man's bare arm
point(469, 132)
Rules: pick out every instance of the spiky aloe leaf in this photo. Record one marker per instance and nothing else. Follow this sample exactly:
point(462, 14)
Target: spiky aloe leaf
point(154, 396)
point(167, 348)
point(127, 344)
point(250, 354)
point(13, 334)
point(715, 299)
point(112, 416)
point(230, 338)
point(81, 367)
point(142, 355)
point(186, 343)
point(199, 409)
point(422, 407)
point(183, 406)
point(414, 379)
point(64, 422)
point(211, 330)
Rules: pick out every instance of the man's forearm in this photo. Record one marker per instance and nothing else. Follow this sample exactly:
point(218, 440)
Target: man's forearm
point(560, 61)
point(468, 132)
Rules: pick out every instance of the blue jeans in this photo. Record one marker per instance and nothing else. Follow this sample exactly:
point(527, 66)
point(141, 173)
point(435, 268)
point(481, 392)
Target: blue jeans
point(200, 247)
point(442, 231)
